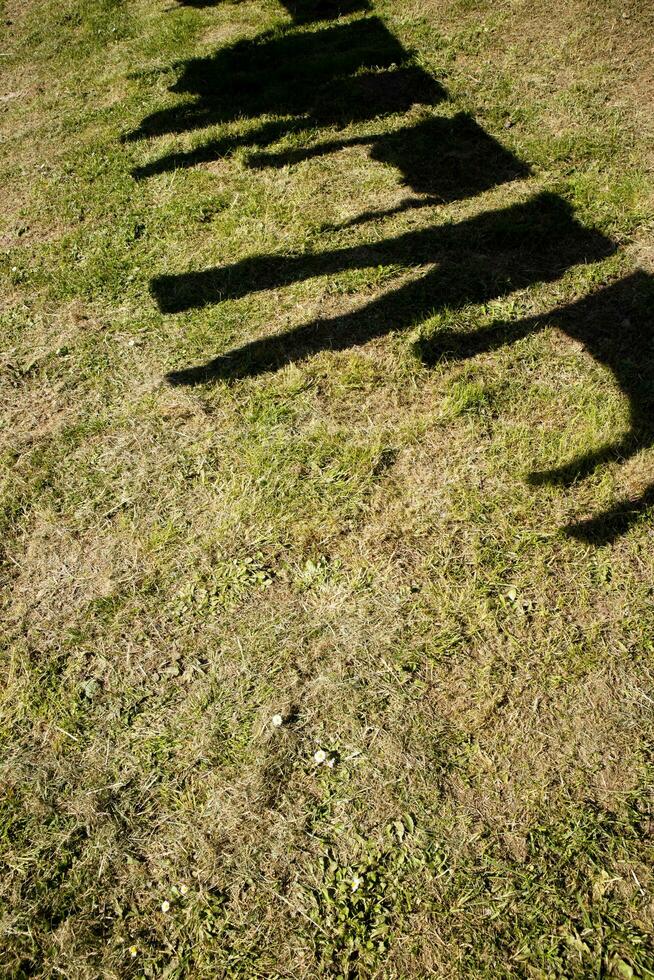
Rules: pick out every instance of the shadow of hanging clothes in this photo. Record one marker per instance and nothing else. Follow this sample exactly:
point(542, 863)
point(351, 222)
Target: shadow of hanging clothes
point(474, 261)
point(615, 325)
point(447, 158)
point(342, 74)
point(374, 94)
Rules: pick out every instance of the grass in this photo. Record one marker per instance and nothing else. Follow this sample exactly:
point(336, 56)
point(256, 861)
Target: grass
point(310, 410)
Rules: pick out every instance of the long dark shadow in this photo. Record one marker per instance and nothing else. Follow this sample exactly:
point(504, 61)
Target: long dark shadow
point(540, 235)
point(614, 522)
point(479, 259)
point(262, 135)
point(374, 94)
point(447, 158)
point(369, 96)
point(343, 73)
point(615, 324)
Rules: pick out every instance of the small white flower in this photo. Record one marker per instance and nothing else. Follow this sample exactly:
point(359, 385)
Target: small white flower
point(165, 906)
point(277, 721)
point(356, 883)
point(319, 757)
point(183, 889)
point(331, 762)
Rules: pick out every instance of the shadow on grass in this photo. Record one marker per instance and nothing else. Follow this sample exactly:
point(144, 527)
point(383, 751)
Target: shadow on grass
point(615, 325)
point(613, 523)
point(354, 72)
point(449, 159)
point(341, 74)
point(478, 259)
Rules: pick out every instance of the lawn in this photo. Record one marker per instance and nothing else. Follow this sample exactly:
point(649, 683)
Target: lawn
point(327, 489)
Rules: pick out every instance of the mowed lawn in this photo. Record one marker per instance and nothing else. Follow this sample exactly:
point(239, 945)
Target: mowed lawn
point(327, 434)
